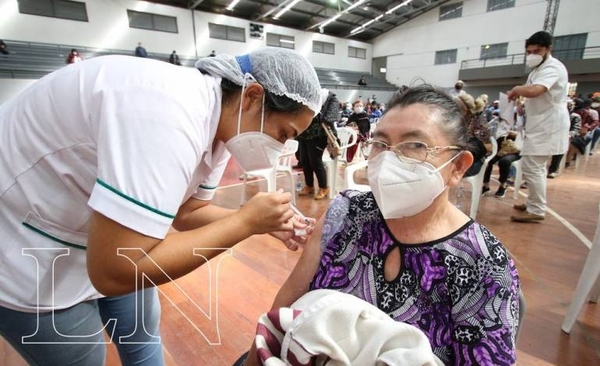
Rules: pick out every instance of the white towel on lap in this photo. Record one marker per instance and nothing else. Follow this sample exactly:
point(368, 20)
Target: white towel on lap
point(326, 327)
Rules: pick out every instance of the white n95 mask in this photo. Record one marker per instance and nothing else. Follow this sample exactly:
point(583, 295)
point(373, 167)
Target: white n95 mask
point(533, 60)
point(254, 150)
point(404, 189)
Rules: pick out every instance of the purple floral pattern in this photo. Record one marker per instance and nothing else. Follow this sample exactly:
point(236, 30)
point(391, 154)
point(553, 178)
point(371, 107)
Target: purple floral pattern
point(461, 290)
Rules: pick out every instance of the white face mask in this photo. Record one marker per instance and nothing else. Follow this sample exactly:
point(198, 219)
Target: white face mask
point(404, 189)
point(533, 60)
point(254, 150)
point(359, 109)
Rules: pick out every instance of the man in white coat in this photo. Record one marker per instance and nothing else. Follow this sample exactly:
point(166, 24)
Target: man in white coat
point(547, 126)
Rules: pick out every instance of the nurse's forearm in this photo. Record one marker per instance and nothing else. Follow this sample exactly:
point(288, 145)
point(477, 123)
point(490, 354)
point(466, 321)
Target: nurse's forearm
point(196, 213)
point(117, 269)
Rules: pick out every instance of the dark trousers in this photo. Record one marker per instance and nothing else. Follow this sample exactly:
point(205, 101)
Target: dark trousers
point(504, 163)
point(555, 163)
point(311, 157)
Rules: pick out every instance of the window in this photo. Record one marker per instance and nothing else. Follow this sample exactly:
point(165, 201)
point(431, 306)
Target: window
point(500, 4)
point(356, 52)
point(451, 11)
point(445, 57)
point(569, 47)
point(497, 50)
point(72, 10)
point(324, 47)
point(150, 21)
point(226, 32)
point(279, 40)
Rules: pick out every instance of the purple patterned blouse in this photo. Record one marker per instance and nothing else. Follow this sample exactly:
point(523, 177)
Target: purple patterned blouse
point(462, 290)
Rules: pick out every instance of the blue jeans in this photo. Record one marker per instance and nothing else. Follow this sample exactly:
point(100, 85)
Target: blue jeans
point(79, 335)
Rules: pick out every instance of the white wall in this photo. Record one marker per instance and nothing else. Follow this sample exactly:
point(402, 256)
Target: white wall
point(411, 47)
point(108, 28)
point(12, 87)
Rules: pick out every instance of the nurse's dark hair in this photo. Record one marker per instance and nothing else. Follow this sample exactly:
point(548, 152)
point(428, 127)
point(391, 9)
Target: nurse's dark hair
point(541, 38)
point(443, 108)
point(275, 103)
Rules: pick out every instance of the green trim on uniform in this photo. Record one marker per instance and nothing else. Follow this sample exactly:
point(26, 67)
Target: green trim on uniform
point(43, 233)
point(105, 185)
point(207, 187)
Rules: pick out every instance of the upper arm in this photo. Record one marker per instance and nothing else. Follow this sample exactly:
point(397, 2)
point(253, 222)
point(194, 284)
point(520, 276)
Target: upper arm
point(112, 251)
point(299, 280)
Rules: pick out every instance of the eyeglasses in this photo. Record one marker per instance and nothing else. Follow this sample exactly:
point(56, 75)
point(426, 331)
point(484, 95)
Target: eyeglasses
point(408, 151)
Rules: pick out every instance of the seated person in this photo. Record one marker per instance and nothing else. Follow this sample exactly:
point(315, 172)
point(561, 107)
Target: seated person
point(504, 161)
point(406, 249)
point(478, 132)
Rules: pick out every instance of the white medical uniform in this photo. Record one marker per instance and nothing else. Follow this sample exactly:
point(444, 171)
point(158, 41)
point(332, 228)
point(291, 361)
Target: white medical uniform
point(547, 127)
point(128, 137)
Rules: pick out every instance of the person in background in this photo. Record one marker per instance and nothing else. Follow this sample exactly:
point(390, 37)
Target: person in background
point(375, 113)
point(346, 113)
point(74, 57)
point(140, 51)
point(595, 106)
point(3, 48)
point(574, 134)
point(547, 125)
point(580, 140)
point(88, 200)
point(174, 58)
point(419, 258)
point(212, 53)
point(359, 120)
point(494, 107)
point(478, 132)
point(457, 90)
point(362, 80)
point(502, 131)
point(312, 144)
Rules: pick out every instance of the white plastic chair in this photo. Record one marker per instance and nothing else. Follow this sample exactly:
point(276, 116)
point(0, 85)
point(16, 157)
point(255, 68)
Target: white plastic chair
point(348, 137)
point(350, 183)
point(283, 165)
point(588, 281)
point(476, 181)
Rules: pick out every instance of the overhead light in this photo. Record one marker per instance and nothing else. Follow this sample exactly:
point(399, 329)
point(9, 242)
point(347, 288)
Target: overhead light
point(398, 6)
point(288, 7)
point(232, 5)
point(356, 29)
point(383, 70)
point(379, 17)
point(368, 23)
point(333, 19)
point(359, 2)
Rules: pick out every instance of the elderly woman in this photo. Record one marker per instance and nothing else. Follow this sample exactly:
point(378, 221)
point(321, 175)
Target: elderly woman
point(406, 249)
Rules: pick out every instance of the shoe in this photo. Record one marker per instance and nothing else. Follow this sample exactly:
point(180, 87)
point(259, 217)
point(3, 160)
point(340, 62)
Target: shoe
point(306, 191)
point(521, 207)
point(524, 185)
point(501, 192)
point(484, 190)
point(510, 182)
point(567, 165)
point(552, 175)
point(323, 192)
point(526, 217)
point(297, 166)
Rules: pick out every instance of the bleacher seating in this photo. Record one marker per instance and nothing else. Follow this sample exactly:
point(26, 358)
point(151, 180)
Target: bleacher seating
point(349, 80)
point(30, 60)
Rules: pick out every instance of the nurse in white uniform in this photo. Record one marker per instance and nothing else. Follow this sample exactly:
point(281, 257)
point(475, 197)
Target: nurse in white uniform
point(99, 159)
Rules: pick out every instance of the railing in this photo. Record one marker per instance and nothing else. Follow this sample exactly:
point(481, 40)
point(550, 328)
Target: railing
point(519, 58)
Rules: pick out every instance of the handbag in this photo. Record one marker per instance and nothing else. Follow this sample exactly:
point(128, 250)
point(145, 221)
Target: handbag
point(508, 147)
point(333, 146)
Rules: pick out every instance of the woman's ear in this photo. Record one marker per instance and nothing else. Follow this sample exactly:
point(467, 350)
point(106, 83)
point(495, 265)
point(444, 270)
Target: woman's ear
point(253, 96)
point(461, 164)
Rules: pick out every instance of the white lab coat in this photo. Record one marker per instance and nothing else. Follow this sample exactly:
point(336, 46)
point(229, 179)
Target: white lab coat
point(547, 126)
